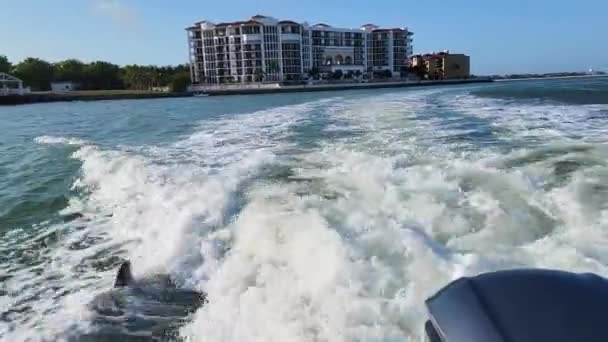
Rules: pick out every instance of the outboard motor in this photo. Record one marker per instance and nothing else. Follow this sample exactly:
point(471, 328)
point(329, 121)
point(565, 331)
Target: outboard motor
point(520, 306)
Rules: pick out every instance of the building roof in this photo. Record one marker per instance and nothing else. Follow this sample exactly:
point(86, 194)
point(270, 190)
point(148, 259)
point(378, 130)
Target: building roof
point(5, 78)
point(259, 19)
point(264, 19)
point(203, 22)
point(252, 21)
point(236, 23)
point(437, 54)
point(368, 27)
point(389, 29)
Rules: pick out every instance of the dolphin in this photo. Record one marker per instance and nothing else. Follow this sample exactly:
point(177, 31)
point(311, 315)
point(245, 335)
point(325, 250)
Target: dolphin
point(151, 307)
point(124, 278)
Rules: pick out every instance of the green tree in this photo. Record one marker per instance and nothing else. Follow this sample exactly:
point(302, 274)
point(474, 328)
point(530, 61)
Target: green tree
point(36, 73)
point(273, 67)
point(337, 75)
point(181, 68)
point(140, 77)
point(5, 65)
point(164, 75)
point(259, 74)
point(420, 71)
point(437, 75)
point(131, 76)
point(102, 75)
point(69, 70)
point(314, 73)
point(180, 82)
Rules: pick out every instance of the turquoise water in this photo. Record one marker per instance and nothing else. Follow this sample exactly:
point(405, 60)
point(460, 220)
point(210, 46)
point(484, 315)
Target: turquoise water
point(327, 216)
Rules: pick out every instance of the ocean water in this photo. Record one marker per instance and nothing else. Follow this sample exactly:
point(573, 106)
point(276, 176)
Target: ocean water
point(304, 217)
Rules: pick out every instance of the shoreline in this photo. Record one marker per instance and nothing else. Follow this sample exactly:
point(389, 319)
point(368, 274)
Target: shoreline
point(12, 100)
point(134, 95)
point(335, 87)
point(546, 78)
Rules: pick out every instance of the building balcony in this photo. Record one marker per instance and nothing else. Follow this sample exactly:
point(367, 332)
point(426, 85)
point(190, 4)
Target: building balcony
point(252, 38)
point(290, 36)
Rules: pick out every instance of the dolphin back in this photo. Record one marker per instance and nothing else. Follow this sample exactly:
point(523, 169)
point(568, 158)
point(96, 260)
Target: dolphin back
point(124, 276)
point(151, 303)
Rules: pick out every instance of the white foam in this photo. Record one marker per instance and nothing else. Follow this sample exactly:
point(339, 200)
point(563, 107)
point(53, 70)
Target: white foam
point(389, 236)
point(539, 121)
point(346, 248)
point(52, 140)
point(150, 205)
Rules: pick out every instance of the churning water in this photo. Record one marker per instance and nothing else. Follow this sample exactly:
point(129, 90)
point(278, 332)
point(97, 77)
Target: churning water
point(307, 217)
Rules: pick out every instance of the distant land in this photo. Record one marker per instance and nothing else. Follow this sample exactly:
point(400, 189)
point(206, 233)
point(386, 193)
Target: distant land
point(547, 75)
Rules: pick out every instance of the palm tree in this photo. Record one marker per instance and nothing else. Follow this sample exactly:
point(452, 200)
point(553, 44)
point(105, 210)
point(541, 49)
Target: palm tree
point(314, 73)
point(337, 75)
point(420, 71)
point(259, 75)
point(273, 67)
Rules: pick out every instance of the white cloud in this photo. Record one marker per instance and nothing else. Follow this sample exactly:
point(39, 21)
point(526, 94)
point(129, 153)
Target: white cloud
point(119, 11)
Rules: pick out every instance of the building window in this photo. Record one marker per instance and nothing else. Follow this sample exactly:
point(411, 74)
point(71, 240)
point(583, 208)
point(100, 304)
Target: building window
point(251, 29)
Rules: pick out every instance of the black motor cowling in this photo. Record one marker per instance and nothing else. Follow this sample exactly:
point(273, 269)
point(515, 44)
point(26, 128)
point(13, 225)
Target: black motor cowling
point(524, 305)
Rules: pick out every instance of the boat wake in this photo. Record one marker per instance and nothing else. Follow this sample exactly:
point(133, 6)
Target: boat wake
point(337, 240)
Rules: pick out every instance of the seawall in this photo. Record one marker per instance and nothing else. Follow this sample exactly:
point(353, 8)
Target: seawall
point(126, 95)
point(331, 87)
point(50, 97)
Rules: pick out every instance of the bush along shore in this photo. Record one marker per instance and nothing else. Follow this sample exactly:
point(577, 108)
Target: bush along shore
point(38, 74)
point(87, 96)
point(125, 94)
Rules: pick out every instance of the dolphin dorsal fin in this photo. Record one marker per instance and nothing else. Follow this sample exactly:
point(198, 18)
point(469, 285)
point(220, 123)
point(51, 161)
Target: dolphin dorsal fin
point(124, 276)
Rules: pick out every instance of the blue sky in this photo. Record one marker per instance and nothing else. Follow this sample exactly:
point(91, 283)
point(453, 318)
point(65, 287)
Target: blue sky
point(504, 36)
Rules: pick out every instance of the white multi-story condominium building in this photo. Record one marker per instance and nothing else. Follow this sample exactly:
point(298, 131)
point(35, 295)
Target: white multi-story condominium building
point(264, 49)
